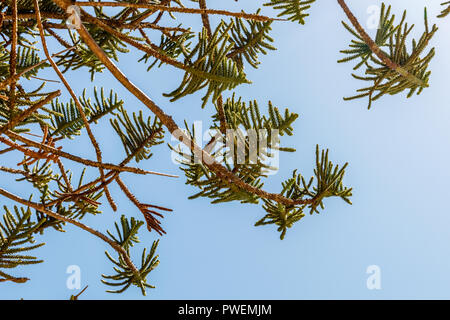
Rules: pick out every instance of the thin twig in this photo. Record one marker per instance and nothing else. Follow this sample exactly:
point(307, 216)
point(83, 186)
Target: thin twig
point(152, 222)
point(25, 114)
point(8, 81)
point(110, 176)
point(13, 57)
point(151, 49)
point(77, 103)
point(248, 16)
point(220, 110)
point(86, 162)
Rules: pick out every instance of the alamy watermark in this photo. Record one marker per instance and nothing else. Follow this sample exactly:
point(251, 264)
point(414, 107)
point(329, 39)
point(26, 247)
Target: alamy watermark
point(74, 19)
point(373, 22)
point(236, 146)
point(73, 282)
point(373, 282)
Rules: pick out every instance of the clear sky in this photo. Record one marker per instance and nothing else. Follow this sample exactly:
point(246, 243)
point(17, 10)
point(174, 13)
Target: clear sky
point(398, 155)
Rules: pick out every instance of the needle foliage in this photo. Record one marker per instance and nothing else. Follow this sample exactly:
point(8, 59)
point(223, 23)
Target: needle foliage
point(46, 134)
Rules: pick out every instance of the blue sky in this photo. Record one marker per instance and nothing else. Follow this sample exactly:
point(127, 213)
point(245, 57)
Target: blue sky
point(398, 166)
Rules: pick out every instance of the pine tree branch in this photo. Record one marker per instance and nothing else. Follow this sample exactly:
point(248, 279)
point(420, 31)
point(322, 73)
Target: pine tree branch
point(205, 17)
point(28, 112)
point(39, 207)
point(15, 280)
point(137, 22)
point(75, 99)
point(25, 151)
point(243, 15)
point(13, 57)
point(220, 111)
point(57, 37)
point(64, 175)
point(446, 11)
point(161, 13)
point(75, 297)
point(74, 158)
point(152, 50)
point(122, 26)
point(27, 16)
point(376, 50)
point(110, 176)
point(152, 222)
point(167, 120)
point(13, 171)
point(9, 80)
point(216, 62)
point(56, 16)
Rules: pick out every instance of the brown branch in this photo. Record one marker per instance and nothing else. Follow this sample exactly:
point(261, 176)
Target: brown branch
point(63, 42)
point(25, 114)
point(76, 223)
point(15, 280)
point(13, 57)
point(110, 176)
point(152, 222)
point(8, 81)
point(167, 120)
point(135, 24)
point(376, 49)
point(205, 17)
point(150, 25)
point(220, 110)
point(45, 15)
point(151, 49)
point(86, 162)
point(79, 294)
point(64, 175)
point(27, 16)
point(25, 151)
point(13, 171)
point(243, 15)
point(77, 103)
